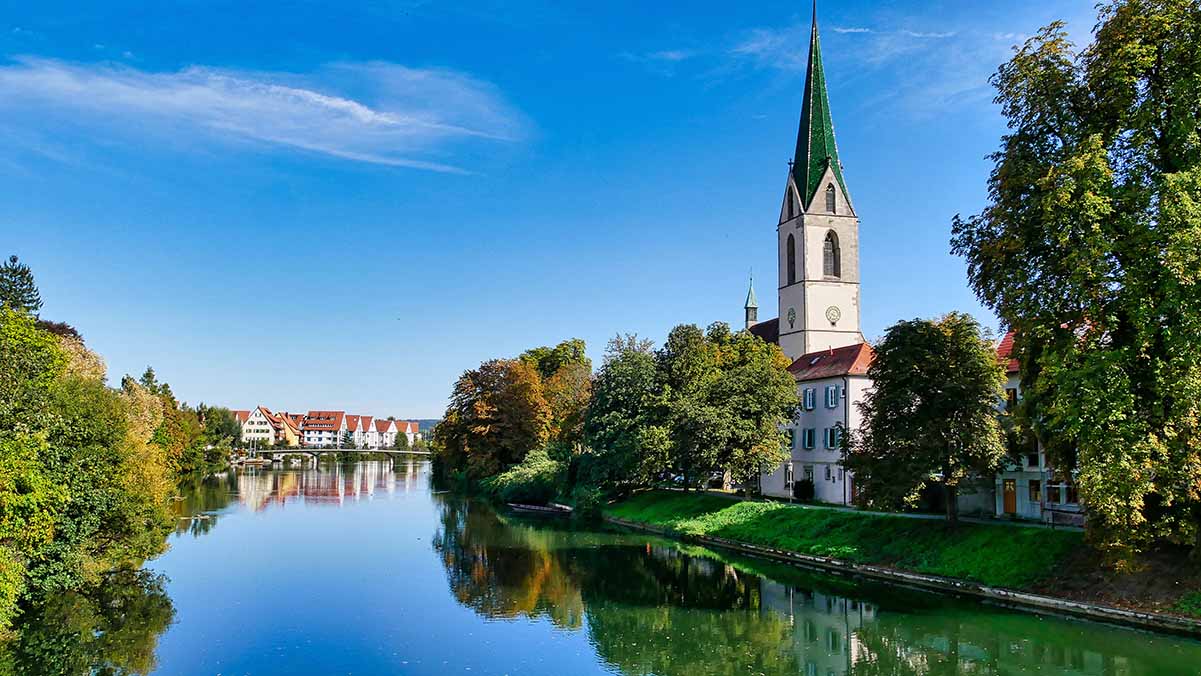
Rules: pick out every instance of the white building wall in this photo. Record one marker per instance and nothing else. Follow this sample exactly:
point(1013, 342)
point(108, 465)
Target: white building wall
point(831, 484)
point(257, 428)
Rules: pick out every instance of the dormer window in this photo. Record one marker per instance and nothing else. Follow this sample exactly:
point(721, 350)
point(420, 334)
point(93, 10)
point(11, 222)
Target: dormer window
point(831, 199)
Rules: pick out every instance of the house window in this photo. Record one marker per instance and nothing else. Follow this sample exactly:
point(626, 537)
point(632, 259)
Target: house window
point(1032, 459)
point(809, 398)
point(809, 438)
point(831, 199)
point(808, 473)
point(791, 438)
point(1053, 494)
point(1011, 398)
point(828, 474)
point(1036, 491)
point(833, 438)
point(1072, 497)
point(831, 256)
point(831, 396)
point(791, 255)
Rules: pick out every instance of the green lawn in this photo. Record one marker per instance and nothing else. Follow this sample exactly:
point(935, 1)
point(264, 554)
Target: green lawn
point(997, 555)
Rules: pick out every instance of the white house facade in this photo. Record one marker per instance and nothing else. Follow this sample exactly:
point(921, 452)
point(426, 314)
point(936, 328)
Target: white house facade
point(258, 427)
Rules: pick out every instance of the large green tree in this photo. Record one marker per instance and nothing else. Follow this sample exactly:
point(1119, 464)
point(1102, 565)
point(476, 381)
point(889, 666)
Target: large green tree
point(931, 416)
point(17, 288)
point(1090, 249)
point(627, 442)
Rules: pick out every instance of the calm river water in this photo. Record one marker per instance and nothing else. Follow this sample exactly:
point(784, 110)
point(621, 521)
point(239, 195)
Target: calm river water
point(364, 570)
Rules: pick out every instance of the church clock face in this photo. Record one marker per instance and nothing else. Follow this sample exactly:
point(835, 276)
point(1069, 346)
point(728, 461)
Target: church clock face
point(833, 314)
point(791, 317)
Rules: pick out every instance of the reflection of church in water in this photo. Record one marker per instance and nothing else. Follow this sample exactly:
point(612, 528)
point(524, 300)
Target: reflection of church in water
point(333, 485)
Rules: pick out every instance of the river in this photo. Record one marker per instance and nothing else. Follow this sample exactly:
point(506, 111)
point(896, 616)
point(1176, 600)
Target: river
point(364, 569)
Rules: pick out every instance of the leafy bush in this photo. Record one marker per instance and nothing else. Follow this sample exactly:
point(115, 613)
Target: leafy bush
point(1189, 604)
point(536, 481)
point(587, 502)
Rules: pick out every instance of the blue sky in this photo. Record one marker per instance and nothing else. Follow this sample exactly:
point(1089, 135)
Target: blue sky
point(310, 205)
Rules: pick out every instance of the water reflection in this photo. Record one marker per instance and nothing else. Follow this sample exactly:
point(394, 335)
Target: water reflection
point(655, 607)
point(332, 484)
point(111, 627)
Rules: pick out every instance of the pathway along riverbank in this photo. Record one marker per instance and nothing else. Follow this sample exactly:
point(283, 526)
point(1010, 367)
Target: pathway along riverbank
point(993, 563)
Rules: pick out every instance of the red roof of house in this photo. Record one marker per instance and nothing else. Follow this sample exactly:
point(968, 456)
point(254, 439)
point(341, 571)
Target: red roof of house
point(1005, 352)
point(242, 416)
point(365, 422)
point(324, 421)
point(352, 423)
point(851, 360)
point(381, 426)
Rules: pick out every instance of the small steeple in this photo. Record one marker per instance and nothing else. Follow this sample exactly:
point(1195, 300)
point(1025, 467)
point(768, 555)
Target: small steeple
point(815, 146)
point(752, 306)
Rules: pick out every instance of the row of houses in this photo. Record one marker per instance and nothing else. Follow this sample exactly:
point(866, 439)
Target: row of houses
point(323, 429)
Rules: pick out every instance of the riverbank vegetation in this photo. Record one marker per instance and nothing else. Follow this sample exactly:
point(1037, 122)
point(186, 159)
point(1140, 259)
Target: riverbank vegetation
point(87, 471)
point(998, 555)
point(706, 406)
point(1089, 249)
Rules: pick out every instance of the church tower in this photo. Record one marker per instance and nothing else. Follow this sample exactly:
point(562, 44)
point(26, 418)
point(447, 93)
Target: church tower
point(818, 232)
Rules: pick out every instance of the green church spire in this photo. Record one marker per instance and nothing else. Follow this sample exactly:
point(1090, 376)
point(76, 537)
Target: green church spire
point(815, 146)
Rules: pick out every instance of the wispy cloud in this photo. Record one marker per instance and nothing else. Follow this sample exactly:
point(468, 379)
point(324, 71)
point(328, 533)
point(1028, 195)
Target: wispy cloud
point(661, 62)
point(401, 117)
point(851, 29)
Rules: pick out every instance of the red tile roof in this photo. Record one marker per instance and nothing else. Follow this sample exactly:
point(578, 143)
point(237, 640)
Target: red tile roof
point(324, 421)
point(365, 422)
point(1005, 352)
point(852, 360)
point(352, 423)
point(242, 416)
point(381, 426)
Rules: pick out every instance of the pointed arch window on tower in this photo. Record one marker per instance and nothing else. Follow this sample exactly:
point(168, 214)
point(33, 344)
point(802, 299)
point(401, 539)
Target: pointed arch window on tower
point(791, 254)
point(831, 199)
point(831, 256)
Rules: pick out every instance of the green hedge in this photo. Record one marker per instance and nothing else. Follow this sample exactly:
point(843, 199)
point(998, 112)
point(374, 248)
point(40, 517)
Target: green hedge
point(997, 555)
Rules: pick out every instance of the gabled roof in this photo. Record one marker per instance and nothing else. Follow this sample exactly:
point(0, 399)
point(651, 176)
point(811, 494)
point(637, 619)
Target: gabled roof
point(242, 416)
point(365, 423)
point(768, 330)
point(815, 147)
point(324, 421)
point(1005, 352)
point(381, 426)
point(852, 360)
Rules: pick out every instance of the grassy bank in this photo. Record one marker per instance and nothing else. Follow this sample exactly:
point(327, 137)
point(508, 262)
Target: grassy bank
point(997, 555)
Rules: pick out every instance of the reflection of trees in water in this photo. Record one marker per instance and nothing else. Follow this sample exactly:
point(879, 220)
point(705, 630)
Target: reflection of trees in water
point(651, 607)
point(111, 627)
point(199, 501)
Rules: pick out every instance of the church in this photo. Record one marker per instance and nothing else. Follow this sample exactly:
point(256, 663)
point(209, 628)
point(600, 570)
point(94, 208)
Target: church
point(818, 302)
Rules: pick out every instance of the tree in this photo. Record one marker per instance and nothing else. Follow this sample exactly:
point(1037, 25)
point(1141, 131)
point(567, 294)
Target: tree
point(221, 424)
point(568, 391)
point(347, 440)
point(1089, 249)
point(931, 416)
point(757, 397)
point(548, 360)
point(402, 442)
point(17, 288)
point(497, 414)
point(626, 441)
point(687, 366)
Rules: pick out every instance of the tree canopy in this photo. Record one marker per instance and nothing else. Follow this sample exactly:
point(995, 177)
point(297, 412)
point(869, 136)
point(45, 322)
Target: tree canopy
point(931, 416)
point(1090, 250)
